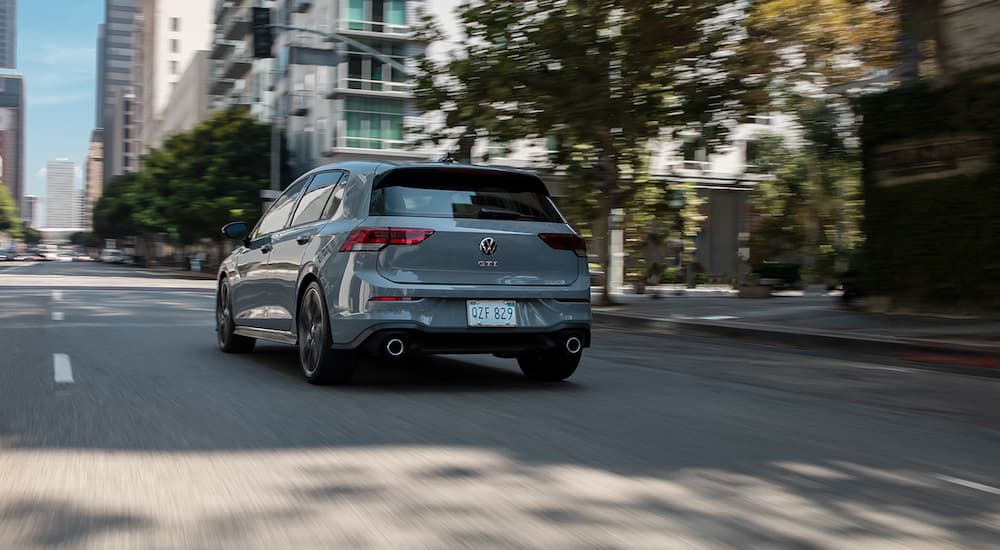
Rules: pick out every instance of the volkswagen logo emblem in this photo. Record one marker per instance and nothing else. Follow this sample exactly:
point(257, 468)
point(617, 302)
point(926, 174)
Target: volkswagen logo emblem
point(488, 246)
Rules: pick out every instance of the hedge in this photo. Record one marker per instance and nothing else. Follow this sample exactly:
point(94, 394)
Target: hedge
point(934, 242)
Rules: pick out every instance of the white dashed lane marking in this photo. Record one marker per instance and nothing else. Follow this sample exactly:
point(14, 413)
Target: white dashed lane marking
point(57, 295)
point(63, 370)
point(969, 484)
point(58, 316)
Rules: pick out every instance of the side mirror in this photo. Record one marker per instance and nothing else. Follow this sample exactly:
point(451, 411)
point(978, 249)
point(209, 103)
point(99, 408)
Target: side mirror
point(235, 230)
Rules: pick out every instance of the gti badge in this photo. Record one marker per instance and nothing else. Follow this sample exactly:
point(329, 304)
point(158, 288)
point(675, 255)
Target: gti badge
point(487, 263)
point(488, 246)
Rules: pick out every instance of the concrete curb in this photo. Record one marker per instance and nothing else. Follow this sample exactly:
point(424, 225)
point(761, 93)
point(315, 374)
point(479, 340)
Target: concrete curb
point(792, 337)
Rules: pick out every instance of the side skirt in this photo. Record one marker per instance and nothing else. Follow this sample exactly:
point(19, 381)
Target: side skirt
point(271, 335)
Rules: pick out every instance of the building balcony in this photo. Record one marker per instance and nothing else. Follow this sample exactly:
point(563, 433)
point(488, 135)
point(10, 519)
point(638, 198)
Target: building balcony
point(355, 147)
point(301, 103)
point(237, 26)
point(238, 64)
point(375, 29)
point(221, 86)
point(224, 8)
point(222, 48)
point(371, 88)
point(302, 6)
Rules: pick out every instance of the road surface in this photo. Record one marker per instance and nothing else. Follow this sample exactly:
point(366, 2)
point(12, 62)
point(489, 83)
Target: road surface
point(123, 426)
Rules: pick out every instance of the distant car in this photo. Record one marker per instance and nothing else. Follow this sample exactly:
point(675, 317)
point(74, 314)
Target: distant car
point(373, 258)
point(112, 256)
point(82, 258)
point(6, 256)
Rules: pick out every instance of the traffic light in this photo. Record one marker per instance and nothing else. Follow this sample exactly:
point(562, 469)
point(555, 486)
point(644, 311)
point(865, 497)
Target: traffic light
point(263, 36)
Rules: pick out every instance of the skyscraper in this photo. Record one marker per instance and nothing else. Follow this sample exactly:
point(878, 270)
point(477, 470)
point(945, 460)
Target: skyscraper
point(116, 66)
point(12, 131)
point(8, 34)
point(169, 34)
point(94, 178)
point(61, 199)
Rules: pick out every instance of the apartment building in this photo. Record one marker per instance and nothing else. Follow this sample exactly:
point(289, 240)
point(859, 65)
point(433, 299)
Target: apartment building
point(170, 33)
point(332, 101)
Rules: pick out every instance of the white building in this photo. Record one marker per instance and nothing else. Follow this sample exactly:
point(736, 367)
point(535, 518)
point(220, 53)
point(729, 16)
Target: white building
point(333, 102)
point(171, 32)
point(61, 199)
point(29, 210)
point(188, 105)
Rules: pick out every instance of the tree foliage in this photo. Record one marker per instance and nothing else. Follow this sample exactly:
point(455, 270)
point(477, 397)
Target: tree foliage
point(193, 184)
point(9, 219)
point(601, 79)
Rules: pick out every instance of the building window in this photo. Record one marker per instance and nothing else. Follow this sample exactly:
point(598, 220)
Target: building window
point(368, 15)
point(173, 67)
point(175, 24)
point(374, 123)
point(175, 45)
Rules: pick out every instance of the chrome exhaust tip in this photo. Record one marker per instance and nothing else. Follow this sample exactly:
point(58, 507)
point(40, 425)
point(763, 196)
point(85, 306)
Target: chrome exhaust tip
point(573, 345)
point(394, 347)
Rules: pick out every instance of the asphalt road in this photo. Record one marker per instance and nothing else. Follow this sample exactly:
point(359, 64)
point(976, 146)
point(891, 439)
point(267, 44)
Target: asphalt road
point(123, 426)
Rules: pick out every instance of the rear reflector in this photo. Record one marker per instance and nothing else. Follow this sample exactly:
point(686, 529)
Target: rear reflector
point(373, 239)
point(566, 241)
point(393, 299)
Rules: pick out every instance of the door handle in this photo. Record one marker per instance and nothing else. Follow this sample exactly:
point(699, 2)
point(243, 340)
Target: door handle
point(266, 248)
point(303, 239)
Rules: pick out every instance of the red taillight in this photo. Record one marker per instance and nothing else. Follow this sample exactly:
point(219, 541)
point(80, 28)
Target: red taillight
point(393, 299)
point(566, 241)
point(371, 239)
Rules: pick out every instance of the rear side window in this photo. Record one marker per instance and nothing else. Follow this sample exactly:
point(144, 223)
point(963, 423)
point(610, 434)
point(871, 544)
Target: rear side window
point(445, 194)
point(313, 202)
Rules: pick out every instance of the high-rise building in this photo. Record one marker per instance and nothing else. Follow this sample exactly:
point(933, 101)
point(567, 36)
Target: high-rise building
point(188, 103)
point(94, 177)
point(12, 131)
point(29, 209)
point(79, 207)
point(8, 34)
point(332, 101)
point(170, 32)
point(60, 199)
point(116, 66)
point(121, 137)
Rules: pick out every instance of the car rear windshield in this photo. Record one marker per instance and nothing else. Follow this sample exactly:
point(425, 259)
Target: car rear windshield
point(447, 194)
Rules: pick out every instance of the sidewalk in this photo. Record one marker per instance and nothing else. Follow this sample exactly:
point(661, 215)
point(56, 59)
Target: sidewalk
point(806, 320)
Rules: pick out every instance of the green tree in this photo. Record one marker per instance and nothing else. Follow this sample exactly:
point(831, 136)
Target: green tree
point(9, 220)
point(30, 235)
point(600, 78)
point(193, 184)
point(116, 212)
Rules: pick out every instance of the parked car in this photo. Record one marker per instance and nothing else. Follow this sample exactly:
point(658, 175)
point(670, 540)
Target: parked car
point(82, 257)
point(112, 256)
point(368, 258)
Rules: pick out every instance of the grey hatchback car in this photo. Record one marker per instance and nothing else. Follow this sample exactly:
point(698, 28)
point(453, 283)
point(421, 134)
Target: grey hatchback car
point(386, 259)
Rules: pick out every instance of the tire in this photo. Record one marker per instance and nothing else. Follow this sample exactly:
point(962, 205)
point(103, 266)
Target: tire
point(225, 327)
point(320, 364)
point(552, 366)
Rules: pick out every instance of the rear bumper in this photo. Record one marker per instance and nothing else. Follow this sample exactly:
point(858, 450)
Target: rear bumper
point(418, 339)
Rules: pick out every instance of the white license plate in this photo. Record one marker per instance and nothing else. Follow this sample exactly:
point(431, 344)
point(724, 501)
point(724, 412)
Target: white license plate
point(492, 313)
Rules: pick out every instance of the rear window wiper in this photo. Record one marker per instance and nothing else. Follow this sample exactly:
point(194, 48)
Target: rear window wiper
point(502, 214)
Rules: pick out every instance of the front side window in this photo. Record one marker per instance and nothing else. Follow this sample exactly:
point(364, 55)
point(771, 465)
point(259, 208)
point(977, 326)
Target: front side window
point(280, 211)
point(313, 203)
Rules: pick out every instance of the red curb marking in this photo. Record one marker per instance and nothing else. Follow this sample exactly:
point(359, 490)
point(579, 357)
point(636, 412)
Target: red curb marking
point(982, 361)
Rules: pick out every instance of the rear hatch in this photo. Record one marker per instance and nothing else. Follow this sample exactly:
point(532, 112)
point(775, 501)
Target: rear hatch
point(472, 226)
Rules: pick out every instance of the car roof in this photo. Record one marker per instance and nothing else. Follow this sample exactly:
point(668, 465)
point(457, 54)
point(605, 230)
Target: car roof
point(383, 166)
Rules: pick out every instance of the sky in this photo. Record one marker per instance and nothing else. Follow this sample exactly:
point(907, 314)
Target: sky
point(57, 53)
